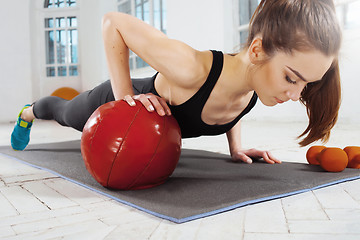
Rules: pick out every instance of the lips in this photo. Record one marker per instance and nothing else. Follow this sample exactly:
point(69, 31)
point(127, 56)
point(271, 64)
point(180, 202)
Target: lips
point(279, 101)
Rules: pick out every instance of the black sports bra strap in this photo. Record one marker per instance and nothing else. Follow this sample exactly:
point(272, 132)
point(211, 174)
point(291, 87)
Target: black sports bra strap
point(216, 69)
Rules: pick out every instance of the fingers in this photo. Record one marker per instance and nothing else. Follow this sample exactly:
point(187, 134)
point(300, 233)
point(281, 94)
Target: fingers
point(266, 157)
point(151, 103)
point(247, 155)
point(242, 157)
point(269, 158)
point(273, 158)
point(129, 100)
point(160, 105)
point(145, 101)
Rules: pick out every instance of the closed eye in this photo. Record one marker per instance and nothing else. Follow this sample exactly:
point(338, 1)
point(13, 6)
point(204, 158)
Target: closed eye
point(288, 79)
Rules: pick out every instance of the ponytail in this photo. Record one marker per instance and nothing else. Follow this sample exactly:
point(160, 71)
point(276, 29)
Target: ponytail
point(322, 100)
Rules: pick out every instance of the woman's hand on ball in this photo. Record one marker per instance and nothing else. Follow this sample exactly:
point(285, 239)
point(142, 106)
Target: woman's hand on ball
point(151, 102)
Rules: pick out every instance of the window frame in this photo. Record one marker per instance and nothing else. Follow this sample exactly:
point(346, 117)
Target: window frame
point(54, 2)
point(54, 13)
point(243, 28)
point(135, 62)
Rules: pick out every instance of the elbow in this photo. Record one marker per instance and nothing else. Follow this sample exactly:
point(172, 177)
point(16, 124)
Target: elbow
point(107, 19)
point(112, 17)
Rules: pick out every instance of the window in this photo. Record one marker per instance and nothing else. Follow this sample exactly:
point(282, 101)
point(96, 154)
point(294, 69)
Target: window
point(59, 3)
point(348, 13)
point(124, 6)
point(152, 12)
point(246, 10)
point(61, 41)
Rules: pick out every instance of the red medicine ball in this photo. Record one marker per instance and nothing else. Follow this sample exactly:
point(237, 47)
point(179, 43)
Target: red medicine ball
point(126, 147)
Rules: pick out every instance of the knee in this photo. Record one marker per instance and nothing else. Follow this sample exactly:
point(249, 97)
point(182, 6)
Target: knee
point(76, 118)
point(44, 108)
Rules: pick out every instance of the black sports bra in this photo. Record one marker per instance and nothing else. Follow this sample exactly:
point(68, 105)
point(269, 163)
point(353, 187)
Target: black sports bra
point(188, 114)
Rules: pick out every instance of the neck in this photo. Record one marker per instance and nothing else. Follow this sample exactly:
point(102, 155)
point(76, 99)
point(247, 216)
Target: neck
point(241, 72)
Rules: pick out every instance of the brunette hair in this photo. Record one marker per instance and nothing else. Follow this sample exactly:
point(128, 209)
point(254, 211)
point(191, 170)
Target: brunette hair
point(288, 25)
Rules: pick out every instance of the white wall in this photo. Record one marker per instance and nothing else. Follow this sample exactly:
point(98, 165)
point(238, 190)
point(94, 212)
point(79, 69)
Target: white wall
point(350, 74)
point(203, 24)
point(15, 58)
point(92, 57)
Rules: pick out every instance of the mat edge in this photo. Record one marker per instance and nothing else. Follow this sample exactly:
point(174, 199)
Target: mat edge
point(190, 218)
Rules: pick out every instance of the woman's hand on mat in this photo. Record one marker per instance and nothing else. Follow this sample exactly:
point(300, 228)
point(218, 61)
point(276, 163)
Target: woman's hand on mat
point(249, 154)
point(151, 102)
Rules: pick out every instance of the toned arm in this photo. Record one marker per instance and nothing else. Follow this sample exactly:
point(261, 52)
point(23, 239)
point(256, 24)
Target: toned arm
point(234, 138)
point(173, 59)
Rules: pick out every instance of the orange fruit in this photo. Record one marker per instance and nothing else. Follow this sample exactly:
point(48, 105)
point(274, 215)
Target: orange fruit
point(313, 153)
point(355, 162)
point(333, 159)
point(351, 152)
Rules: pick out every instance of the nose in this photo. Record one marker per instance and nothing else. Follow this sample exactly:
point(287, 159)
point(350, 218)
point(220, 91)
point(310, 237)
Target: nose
point(295, 93)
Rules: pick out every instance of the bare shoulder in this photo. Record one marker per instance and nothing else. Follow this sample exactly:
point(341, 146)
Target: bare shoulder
point(196, 69)
point(187, 76)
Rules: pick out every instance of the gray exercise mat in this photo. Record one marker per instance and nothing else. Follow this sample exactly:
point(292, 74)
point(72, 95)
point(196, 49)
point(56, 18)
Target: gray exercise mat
point(203, 184)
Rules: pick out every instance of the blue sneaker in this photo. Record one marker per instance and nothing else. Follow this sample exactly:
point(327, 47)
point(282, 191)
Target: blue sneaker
point(20, 136)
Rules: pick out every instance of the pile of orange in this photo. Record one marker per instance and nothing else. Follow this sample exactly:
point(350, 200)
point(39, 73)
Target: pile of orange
point(334, 159)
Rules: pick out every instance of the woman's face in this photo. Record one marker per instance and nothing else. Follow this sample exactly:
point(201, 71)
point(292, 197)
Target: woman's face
point(284, 76)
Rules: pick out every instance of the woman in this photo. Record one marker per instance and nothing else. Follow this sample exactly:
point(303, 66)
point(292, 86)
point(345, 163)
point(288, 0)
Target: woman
point(291, 54)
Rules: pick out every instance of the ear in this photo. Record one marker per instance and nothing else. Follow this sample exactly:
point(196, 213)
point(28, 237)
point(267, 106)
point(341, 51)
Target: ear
point(256, 52)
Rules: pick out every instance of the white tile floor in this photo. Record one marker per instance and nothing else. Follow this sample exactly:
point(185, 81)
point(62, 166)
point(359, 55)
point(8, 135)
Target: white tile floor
point(38, 205)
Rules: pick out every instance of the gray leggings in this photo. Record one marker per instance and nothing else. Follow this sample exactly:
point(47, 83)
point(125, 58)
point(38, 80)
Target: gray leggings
point(76, 112)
